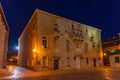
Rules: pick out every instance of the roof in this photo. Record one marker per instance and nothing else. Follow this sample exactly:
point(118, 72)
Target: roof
point(63, 18)
point(111, 42)
point(50, 14)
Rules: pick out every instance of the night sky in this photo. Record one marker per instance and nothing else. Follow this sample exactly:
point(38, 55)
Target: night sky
point(102, 14)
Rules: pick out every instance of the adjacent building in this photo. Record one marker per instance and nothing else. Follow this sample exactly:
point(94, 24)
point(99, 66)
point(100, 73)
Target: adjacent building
point(4, 31)
point(53, 42)
point(111, 51)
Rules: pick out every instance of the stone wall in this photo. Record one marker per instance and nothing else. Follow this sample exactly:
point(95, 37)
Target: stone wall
point(59, 31)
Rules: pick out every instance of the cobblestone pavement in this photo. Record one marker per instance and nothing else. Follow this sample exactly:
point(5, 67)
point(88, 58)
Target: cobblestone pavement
point(104, 73)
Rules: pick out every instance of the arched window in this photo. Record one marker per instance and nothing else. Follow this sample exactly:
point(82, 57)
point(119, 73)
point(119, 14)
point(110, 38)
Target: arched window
point(44, 42)
point(44, 61)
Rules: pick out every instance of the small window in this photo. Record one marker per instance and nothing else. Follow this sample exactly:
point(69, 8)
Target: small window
point(44, 42)
point(68, 61)
point(44, 59)
point(117, 60)
point(67, 45)
point(87, 61)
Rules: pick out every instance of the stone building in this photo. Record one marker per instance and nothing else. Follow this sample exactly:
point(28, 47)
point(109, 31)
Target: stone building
point(53, 42)
point(111, 51)
point(4, 31)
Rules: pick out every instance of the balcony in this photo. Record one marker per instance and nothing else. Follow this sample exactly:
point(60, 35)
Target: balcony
point(77, 34)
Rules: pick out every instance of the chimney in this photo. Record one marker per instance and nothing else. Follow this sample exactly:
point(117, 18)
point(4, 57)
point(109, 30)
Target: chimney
point(119, 34)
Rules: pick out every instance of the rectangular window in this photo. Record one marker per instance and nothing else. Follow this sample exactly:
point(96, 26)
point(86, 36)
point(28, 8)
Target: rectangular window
point(44, 61)
point(87, 61)
point(67, 45)
point(68, 61)
point(44, 42)
point(117, 60)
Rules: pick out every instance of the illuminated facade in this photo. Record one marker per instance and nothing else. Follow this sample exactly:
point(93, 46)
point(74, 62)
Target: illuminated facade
point(4, 31)
point(111, 51)
point(53, 42)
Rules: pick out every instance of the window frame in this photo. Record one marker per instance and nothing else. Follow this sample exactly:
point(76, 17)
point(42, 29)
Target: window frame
point(44, 61)
point(67, 45)
point(68, 61)
point(44, 42)
point(117, 59)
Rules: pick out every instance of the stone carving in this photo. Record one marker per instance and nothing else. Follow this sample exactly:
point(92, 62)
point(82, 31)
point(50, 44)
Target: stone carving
point(56, 39)
point(77, 33)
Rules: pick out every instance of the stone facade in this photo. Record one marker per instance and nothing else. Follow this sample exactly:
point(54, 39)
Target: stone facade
point(53, 42)
point(111, 51)
point(4, 31)
point(115, 60)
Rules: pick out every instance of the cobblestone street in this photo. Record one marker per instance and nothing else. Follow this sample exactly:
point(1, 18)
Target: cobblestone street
point(104, 73)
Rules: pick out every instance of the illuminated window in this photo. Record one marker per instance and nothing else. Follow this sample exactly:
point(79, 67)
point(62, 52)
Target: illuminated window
point(67, 45)
point(117, 60)
point(44, 59)
point(68, 61)
point(44, 42)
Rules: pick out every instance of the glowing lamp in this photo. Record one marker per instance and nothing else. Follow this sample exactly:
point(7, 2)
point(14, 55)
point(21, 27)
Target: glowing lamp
point(104, 54)
point(17, 48)
point(34, 50)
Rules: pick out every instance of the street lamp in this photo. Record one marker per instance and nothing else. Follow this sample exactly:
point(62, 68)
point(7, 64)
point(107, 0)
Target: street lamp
point(35, 51)
point(17, 48)
point(104, 54)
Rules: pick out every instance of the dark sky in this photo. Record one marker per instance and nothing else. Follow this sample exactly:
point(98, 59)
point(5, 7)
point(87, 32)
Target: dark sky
point(103, 14)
